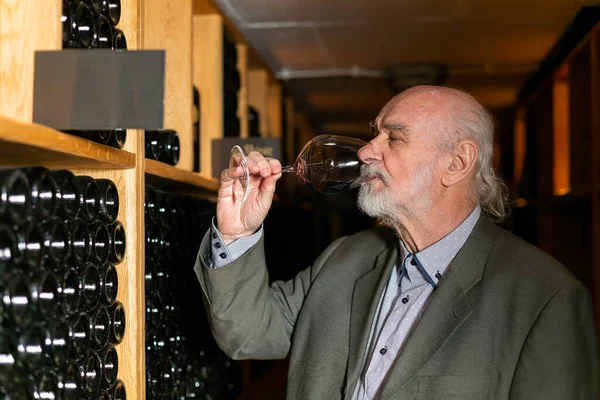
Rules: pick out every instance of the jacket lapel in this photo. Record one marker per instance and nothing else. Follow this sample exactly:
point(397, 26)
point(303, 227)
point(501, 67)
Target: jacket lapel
point(367, 292)
point(448, 308)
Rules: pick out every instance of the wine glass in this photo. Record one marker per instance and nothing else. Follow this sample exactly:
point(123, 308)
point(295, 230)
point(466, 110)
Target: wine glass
point(328, 163)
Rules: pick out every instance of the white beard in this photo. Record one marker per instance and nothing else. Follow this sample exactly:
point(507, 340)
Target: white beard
point(389, 207)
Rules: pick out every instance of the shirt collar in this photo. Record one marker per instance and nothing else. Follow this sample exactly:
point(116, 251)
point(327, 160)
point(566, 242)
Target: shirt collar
point(436, 258)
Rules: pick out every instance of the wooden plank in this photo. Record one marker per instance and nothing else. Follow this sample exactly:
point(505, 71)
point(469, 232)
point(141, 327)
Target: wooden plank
point(519, 144)
point(171, 178)
point(580, 117)
point(130, 185)
point(169, 26)
point(132, 23)
point(539, 134)
point(577, 34)
point(290, 113)
point(561, 156)
point(25, 26)
point(210, 7)
point(34, 144)
point(204, 7)
point(242, 66)
point(257, 97)
point(274, 108)
point(543, 135)
point(207, 64)
point(595, 144)
point(132, 268)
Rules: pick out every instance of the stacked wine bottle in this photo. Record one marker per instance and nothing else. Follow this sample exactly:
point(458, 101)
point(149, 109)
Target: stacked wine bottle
point(163, 146)
point(182, 360)
point(60, 319)
point(231, 86)
point(92, 24)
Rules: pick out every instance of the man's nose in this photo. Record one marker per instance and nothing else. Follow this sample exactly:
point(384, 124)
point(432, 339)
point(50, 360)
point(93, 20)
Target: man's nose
point(369, 154)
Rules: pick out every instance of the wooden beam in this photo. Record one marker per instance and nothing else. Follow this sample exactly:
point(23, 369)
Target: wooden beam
point(290, 114)
point(520, 144)
point(242, 66)
point(25, 27)
point(208, 77)
point(257, 97)
point(561, 166)
point(169, 26)
point(595, 140)
point(274, 106)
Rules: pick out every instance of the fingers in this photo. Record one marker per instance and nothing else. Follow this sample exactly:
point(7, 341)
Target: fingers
point(228, 177)
point(268, 184)
point(230, 174)
point(275, 166)
point(264, 173)
point(263, 166)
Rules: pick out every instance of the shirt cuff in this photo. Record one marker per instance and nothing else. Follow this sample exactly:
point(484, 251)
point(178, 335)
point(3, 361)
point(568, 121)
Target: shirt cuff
point(222, 254)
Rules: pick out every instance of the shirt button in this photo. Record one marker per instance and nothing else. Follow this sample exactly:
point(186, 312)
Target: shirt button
point(413, 262)
point(214, 235)
point(223, 255)
point(383, 351)
point(438, 276)
point(405, 300)
point(218, 245)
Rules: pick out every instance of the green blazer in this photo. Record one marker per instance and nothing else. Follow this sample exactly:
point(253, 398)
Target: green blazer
point(506, 322)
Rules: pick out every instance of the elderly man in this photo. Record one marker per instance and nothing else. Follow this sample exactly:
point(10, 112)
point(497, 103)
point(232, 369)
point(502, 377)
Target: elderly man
point(436, 303)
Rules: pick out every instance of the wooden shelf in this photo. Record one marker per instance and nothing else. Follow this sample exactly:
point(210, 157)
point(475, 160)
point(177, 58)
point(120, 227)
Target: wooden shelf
point(24, 144)
point(191, 34)
point(171, 178)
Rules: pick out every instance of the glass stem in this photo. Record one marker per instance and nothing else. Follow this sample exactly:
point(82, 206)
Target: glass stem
point(288, 168)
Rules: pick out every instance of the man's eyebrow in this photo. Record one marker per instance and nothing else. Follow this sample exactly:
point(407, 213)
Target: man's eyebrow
point(396, 127)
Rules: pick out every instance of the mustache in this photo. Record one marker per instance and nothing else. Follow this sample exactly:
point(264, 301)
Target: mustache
point(370, 171)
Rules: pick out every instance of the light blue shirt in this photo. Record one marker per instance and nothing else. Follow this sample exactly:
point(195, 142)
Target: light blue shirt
point(400, 306)
point(402, 302)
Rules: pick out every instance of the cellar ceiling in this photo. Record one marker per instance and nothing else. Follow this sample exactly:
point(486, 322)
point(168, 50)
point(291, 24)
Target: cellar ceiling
point(336, 56)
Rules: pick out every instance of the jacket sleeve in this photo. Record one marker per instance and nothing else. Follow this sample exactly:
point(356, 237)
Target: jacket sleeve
point(248, 317)
point(559, 359)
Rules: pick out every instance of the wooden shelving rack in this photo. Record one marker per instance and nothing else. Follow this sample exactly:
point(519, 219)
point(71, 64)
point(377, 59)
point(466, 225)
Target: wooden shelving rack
point(557, 154)
point(191, 34)
point(24, 144)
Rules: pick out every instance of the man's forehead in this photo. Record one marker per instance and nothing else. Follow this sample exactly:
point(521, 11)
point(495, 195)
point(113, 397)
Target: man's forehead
point(411, 111)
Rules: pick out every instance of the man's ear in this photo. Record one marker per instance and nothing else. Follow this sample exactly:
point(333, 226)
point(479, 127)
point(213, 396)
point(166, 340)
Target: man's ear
point(464, 158)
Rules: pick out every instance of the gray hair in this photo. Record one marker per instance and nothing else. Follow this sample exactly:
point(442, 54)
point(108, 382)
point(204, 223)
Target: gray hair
point(475, 122)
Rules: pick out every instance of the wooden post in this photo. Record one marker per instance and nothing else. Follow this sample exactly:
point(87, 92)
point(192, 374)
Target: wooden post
point(595, 140)
point(242, 66)
point(207, 64)
point(257, 97)
point(290, 114)
point(169, 26)
point(274, 108)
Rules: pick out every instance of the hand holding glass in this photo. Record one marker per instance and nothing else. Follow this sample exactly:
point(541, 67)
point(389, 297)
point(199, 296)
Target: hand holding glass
point(328, 163)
